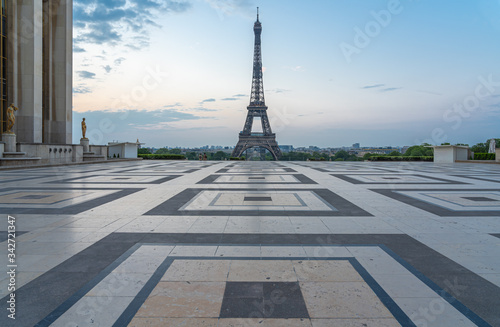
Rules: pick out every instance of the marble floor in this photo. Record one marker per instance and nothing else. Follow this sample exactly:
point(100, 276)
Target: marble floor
point(188, 243)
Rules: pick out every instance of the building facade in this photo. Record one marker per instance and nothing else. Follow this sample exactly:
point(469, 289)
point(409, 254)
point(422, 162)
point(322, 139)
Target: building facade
point(36, 69)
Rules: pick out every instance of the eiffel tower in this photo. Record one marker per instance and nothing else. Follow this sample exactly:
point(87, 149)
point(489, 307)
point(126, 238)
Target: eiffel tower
point(257, 108)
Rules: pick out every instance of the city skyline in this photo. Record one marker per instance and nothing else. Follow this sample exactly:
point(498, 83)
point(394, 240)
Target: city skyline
point(335, 73)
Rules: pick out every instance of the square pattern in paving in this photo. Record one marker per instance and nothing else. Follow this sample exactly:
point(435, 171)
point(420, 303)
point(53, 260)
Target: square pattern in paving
point(450, 202)
point(257, 179)
point(57, 200)
point(161, 287)
point(250, 202)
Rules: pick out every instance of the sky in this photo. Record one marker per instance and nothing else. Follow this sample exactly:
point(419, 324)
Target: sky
point(336, 72)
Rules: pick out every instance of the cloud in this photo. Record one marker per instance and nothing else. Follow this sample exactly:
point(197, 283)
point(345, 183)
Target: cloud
point(177, 104)
point(125, 120)
point(277, 91)
point(296, 68)
point(86, 74)
point(107, 21)
point(78, 49)
point(239, 95)
point(208, 100)
point(389, 89)
point(200, 109)
point(107, 68)
point(118, 61)
point(231, 7)
point(372, 86)
point(378, 86)
point(81, 89)
point(229, 99)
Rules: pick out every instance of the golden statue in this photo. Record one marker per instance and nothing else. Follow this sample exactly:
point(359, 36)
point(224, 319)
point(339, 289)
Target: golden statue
point(11, 119)
point(84, 128)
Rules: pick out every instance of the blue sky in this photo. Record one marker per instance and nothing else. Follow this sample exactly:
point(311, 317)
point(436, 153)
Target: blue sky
point(336, 72)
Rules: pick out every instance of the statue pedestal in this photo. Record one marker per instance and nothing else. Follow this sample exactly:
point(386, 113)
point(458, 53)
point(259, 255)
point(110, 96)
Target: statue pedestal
point(85, 143)
point(10, 142)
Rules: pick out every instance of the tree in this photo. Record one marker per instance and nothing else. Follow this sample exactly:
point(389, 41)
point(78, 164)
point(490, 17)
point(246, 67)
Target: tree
point(316, 155)
point(192, 155)
point(175, 151)
point(418, 151)
point(162, 151)
point(480, 148)
point(342, 154)
point(143, 151)
point(395, 154)
point(367, 156)
point(220, 155)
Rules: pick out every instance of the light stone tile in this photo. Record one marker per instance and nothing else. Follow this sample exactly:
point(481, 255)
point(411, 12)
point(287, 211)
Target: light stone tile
point(245, 322)
point(434, 312)
point(142, 224)
point(262, 270)
point(197, 271)
point(139, 264)
point(160, 251)
point(245, 225)
point(176, 224)
point(177, 322)
point(209, 225)
point(384, 322)
point(327, 251)
point(120, 284)
point(308, 225)
point(188, 250)
point(342, 300)
point(282, 251)
point(382, 266)
point(326, 271)
point(404, 286)
point(184, 300)
point(238, 251)
point(55, 236)
point(94, 311)
point(367, 251)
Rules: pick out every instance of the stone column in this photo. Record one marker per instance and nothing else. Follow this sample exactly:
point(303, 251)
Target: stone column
point(57, 50)
point(24, 70)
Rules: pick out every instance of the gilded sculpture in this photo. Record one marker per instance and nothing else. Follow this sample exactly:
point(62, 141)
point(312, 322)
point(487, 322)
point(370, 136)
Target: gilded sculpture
point(11, 118)
point(84, 128)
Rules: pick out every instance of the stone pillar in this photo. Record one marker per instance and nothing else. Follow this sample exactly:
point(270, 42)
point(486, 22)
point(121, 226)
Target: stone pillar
point(497, 154)
point(24, 72)
point(85, 143)
point(10, 142)
point(57, 50)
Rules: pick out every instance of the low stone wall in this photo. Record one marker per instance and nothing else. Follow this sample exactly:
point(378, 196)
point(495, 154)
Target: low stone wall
point(53, 153)
point(99, 150)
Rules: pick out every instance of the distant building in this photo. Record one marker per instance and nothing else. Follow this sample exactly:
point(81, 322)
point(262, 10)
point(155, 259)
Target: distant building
point(286, 148)
point(313, 148)
point(355, 146)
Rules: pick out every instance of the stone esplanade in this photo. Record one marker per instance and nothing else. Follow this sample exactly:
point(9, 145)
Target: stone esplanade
point(188, 243)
